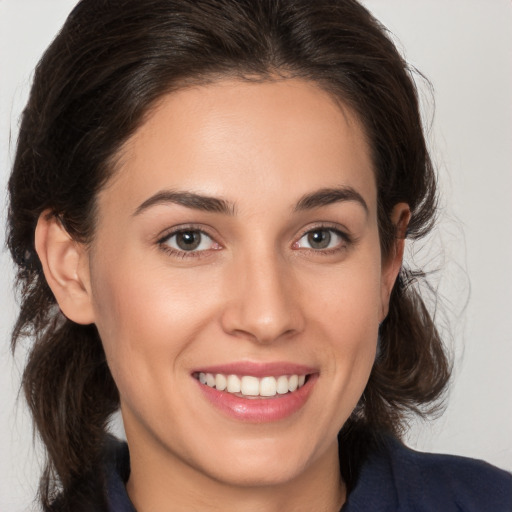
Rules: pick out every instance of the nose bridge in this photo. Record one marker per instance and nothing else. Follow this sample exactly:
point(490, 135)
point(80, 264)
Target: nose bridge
point(263, 306)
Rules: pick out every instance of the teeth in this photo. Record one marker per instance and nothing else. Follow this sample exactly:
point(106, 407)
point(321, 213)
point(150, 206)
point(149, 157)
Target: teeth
point(282, 385)
point(221, 382)
point(210, 380)
point(248, 385)
point(268, 386)
point(293, 382)
point(234, 385)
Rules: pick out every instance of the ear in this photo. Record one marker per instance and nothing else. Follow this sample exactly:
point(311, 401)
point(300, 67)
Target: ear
point(400, 216)
point(65, 265)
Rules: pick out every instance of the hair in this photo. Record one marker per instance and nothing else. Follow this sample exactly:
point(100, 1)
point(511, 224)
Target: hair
point(95, 85)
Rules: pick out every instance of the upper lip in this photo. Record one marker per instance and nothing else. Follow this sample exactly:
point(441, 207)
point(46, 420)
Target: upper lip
point(258, 369)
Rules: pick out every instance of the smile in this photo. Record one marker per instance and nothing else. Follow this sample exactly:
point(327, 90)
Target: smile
point(257, 392)
point(249, 386)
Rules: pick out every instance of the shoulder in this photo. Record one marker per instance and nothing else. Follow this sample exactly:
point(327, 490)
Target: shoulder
point(401, 479)
point(467, 484)
point(117, 470)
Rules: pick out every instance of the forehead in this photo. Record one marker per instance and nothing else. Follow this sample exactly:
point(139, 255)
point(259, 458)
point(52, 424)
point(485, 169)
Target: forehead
point(237, 138)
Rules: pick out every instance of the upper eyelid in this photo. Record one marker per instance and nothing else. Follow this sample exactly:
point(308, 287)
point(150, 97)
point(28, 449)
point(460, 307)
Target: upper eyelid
point(163, 244)
point(340, 230)
point(344, 238)
point(167, 233)
point(171, 234)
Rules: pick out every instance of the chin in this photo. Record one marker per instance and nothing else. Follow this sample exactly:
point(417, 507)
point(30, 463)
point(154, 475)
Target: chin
point(266, 461)
point(264, 472)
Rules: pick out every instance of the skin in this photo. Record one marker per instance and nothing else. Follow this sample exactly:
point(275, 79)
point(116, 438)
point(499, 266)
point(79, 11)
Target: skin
point(256, 291)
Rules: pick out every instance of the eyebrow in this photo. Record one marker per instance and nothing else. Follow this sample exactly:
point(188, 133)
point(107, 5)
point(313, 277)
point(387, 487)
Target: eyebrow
point(189, 200)
point(322, 197)
point(327, 196)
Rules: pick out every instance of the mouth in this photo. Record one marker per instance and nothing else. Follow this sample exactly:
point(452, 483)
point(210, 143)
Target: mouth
point(252, 387)
point(257, 392)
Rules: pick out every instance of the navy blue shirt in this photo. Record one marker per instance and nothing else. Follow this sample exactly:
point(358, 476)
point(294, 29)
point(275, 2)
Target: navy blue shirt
point(393, 478)
point(398, 479)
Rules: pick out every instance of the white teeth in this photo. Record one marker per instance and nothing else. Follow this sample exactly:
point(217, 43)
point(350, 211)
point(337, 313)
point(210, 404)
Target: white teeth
point(233, 384)
point(282, 385)
point(248, 385)
point(220, 382)
point(210, 380)
point(268, 386)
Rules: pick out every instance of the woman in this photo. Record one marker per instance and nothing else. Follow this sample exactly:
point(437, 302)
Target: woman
point(216, 196)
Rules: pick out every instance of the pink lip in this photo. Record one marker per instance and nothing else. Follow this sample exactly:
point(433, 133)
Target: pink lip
point(258, 369)
point(259, 410)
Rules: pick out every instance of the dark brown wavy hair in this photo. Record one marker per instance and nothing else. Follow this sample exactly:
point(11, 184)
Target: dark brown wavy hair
point(94, 86)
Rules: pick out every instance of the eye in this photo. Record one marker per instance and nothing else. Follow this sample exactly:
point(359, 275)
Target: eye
point(321, 239)
point(189, 240)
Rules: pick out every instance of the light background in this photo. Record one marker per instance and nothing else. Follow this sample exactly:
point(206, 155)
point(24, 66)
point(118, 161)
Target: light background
point(464, 47)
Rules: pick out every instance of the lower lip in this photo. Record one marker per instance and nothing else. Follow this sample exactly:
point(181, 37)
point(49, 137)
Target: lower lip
point(259, 410)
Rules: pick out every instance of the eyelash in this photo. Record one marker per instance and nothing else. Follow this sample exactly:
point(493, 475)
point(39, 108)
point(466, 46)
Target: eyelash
point(345, 238)
point(163, 242)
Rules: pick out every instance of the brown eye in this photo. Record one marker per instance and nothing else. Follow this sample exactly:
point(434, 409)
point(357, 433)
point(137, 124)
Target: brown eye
point(319, 239)
point(189, 240)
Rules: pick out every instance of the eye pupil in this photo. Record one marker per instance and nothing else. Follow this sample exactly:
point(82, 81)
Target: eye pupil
point(319, 239)
point(188, 240)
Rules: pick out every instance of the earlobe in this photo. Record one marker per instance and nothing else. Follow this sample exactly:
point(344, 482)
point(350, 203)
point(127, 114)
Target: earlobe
point(400, 217)
point(65, 266)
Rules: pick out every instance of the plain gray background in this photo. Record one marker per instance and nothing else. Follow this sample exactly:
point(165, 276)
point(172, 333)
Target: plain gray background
point(465, 48)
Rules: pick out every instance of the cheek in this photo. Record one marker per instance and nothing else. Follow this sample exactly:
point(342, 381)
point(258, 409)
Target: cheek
point(348, 299)
point(147, 318)
point(351, 313)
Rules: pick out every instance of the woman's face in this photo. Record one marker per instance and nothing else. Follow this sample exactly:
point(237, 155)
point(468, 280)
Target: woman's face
point(238, 245)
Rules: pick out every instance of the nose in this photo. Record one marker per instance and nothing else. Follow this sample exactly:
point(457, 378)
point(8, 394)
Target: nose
point(263, 303)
